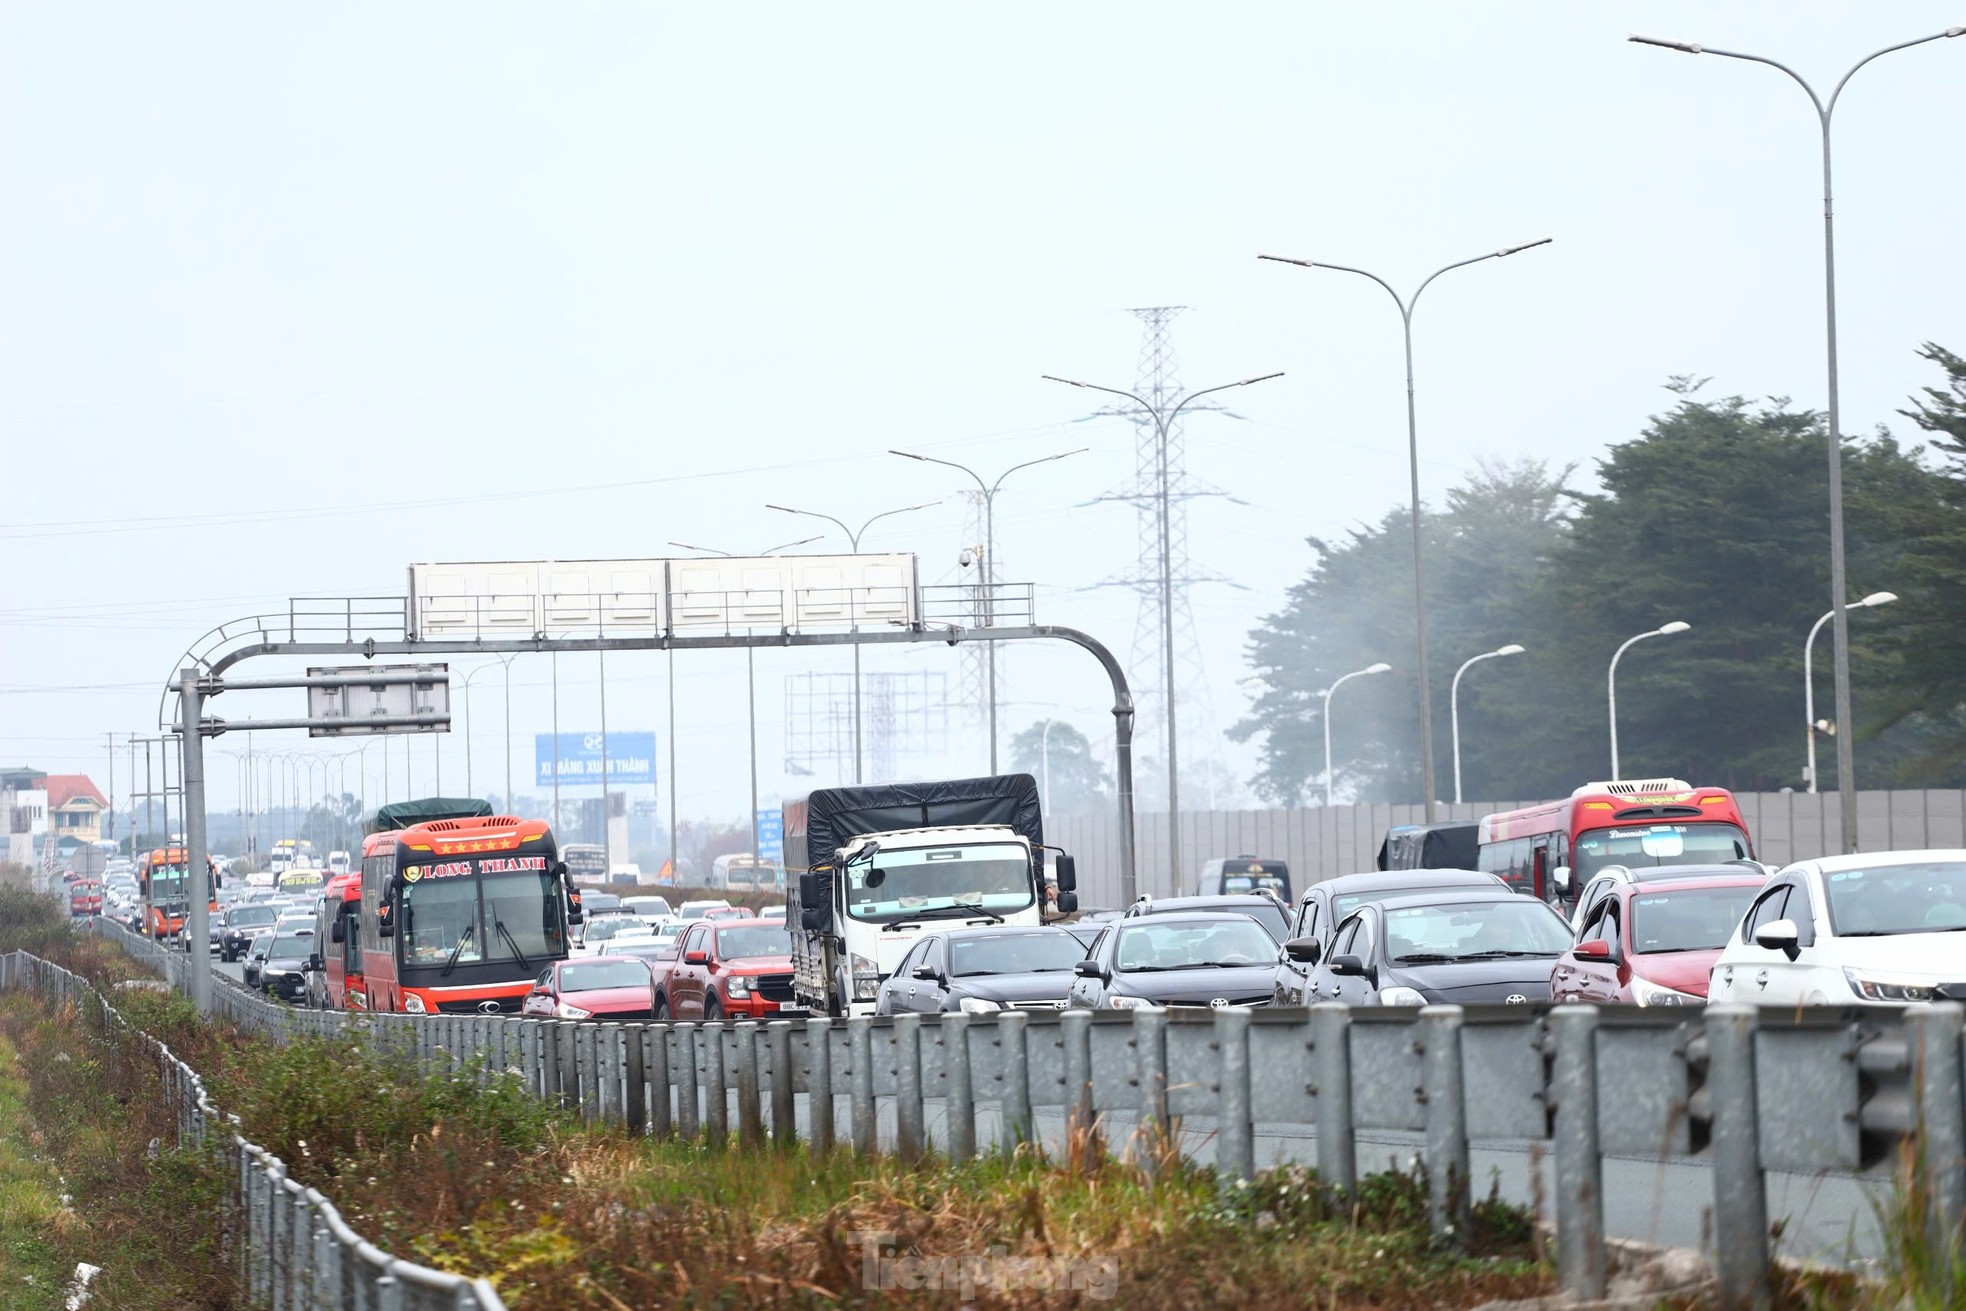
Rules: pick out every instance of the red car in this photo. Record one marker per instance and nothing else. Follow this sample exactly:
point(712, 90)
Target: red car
point(729, 968)
point(593, 988)
point(1653, 944)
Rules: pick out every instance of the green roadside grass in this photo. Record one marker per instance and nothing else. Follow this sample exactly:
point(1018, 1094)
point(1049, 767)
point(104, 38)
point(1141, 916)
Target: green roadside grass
point(33, 1273)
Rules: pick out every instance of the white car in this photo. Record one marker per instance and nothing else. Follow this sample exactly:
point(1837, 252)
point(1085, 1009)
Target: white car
point(654, 910)
point(1884, 928)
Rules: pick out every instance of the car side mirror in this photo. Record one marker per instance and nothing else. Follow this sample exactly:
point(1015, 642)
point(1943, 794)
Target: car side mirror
point(1780, 935)
point(1560, 876)
point(1089, 969)
point(696, 956)
point(928, 974)
point(1304, 951)
point(1348, 965)
point(1065, 870)
point(1595, 949)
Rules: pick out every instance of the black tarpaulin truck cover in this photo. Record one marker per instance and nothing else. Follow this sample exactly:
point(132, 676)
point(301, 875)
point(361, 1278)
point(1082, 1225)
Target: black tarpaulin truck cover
point(1452, 844)
point(830, 818)
point(403, 814)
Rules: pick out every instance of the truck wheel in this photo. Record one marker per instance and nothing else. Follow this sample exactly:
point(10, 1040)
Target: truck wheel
point(713, 1010)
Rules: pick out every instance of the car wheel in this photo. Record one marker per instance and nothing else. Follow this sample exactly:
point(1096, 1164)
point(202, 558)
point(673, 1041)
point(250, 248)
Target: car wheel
point(661, 1007)
point(713, 1010)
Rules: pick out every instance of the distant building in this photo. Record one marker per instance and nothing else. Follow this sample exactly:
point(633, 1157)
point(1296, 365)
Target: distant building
point(75, 809)
point(24, 807)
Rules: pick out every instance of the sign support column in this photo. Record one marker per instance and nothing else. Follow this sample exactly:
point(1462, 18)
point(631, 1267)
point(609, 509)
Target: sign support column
point(197, 877)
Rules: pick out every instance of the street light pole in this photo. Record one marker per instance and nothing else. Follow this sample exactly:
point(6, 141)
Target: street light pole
point(1809, 678)
point(505, 662)
point(751, 687)
point(1406, 306)
point(1454, 705)
point(989, 491)
point(1611, 679)
point(1164, 418)
point(1378, 668)
point(1845, 747)
point(853, 541)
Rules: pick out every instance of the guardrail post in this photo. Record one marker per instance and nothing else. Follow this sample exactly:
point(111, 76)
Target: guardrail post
point(910, 1129)
point(819, 1082)
point(1580, 1254)
point(567, 1038)
point(529, 1057)
point(1075, 1035)
point(750, 1116)
point(1936, 1081)
point(716, 1092)
point(1337, 1142)
point(1740, 1189)
point(548, 1038)
point(1150, 1079)
point(587, 1038)
point(860, 1070)
point(1235, 1136)
point(614, 1076)
point(959, 1092)
point(388, 1294)
point(1013, 1033)
point(635, 1080)
point(1447, 1121)
point(655, 1065)
point(784, 1088)
point(688, 1122)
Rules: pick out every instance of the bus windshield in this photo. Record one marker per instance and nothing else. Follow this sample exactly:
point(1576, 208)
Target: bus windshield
point(1645, 846)
point(464, 915)
point(167, 883)
point(903, 884)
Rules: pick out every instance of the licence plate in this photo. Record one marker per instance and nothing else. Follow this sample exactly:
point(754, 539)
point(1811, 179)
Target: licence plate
point(792, 1010)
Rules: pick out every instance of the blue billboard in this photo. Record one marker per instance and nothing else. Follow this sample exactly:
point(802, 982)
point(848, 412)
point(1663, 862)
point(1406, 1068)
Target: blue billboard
point(630, 758)
point(771, 835)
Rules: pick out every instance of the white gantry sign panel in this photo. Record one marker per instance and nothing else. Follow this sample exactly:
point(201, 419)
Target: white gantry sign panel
point(388, 692)
point(627, 598)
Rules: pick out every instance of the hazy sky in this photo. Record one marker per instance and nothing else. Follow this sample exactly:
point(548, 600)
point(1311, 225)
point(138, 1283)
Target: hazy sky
point(293, 294)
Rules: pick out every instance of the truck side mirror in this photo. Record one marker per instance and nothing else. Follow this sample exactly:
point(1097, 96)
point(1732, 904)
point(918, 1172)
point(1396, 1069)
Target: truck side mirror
point(1068, 903)
point(815, 919)
point(812, 889)
point(1067, 871)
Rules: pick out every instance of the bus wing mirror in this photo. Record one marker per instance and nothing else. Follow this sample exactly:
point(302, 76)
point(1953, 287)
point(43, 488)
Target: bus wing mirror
point(385, 928)
point(337, 932)
point(1067, 872)
point(1560, 876)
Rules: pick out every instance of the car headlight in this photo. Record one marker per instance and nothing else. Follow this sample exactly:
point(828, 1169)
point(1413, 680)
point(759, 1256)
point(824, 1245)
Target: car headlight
point(979, 1005)
point(737, 986)
point(866, 978)
point(1398, 995)
point(413, 1003)
point(1881, 987)
point(1119, 1001)
point(1651, 994)
point(567, 1012)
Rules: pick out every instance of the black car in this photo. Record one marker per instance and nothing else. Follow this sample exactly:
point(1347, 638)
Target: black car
point(240, 927)
point(1259, 906)
point(983, 969)
point(1326, 905)
point(283, 973)
point(1201, 958)
point(1462, 945)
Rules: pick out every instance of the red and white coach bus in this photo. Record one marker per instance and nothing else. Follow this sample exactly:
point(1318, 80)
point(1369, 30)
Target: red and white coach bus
point(459, 916)
point(1552, 850)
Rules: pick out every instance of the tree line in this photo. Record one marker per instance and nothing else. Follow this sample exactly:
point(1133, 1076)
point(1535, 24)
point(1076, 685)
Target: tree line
point(1716, 514)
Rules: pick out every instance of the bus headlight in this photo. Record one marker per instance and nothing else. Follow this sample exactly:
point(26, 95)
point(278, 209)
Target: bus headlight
point(413, 1003)
point(866, 978)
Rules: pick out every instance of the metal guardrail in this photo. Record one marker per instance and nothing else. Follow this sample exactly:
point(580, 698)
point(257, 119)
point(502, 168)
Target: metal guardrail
point(294, 1250)
point(1744, 1091)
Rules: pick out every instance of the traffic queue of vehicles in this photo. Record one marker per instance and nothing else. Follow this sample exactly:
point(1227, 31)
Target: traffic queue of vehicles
point(935, 897)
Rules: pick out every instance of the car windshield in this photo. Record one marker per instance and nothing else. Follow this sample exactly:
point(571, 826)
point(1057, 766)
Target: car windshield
point(292, 944)
point(240, 917)
point(647, 905)
point(753, 940)
point(1015, 953)
point(609, 972)
point(1687, 919)
point(698, 909)
point(598, 902)
point(602, 930)
point(894, 885)
point(646, 950)
point(1645, 846)
point(1892, 899)
point(1146, 946)
point(1475, 930)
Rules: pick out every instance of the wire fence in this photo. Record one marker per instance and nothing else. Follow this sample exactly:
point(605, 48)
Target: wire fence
point(292, 1249)
point(1822, 1091)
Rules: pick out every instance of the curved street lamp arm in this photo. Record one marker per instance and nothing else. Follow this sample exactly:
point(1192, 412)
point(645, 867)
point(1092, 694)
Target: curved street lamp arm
point(1182, 404)
point(1404, 309)
point(905, 509)
point(930, 459)
point(1043, 459)
point(852, 538)
point(1902, 45)
point(1460, 264)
